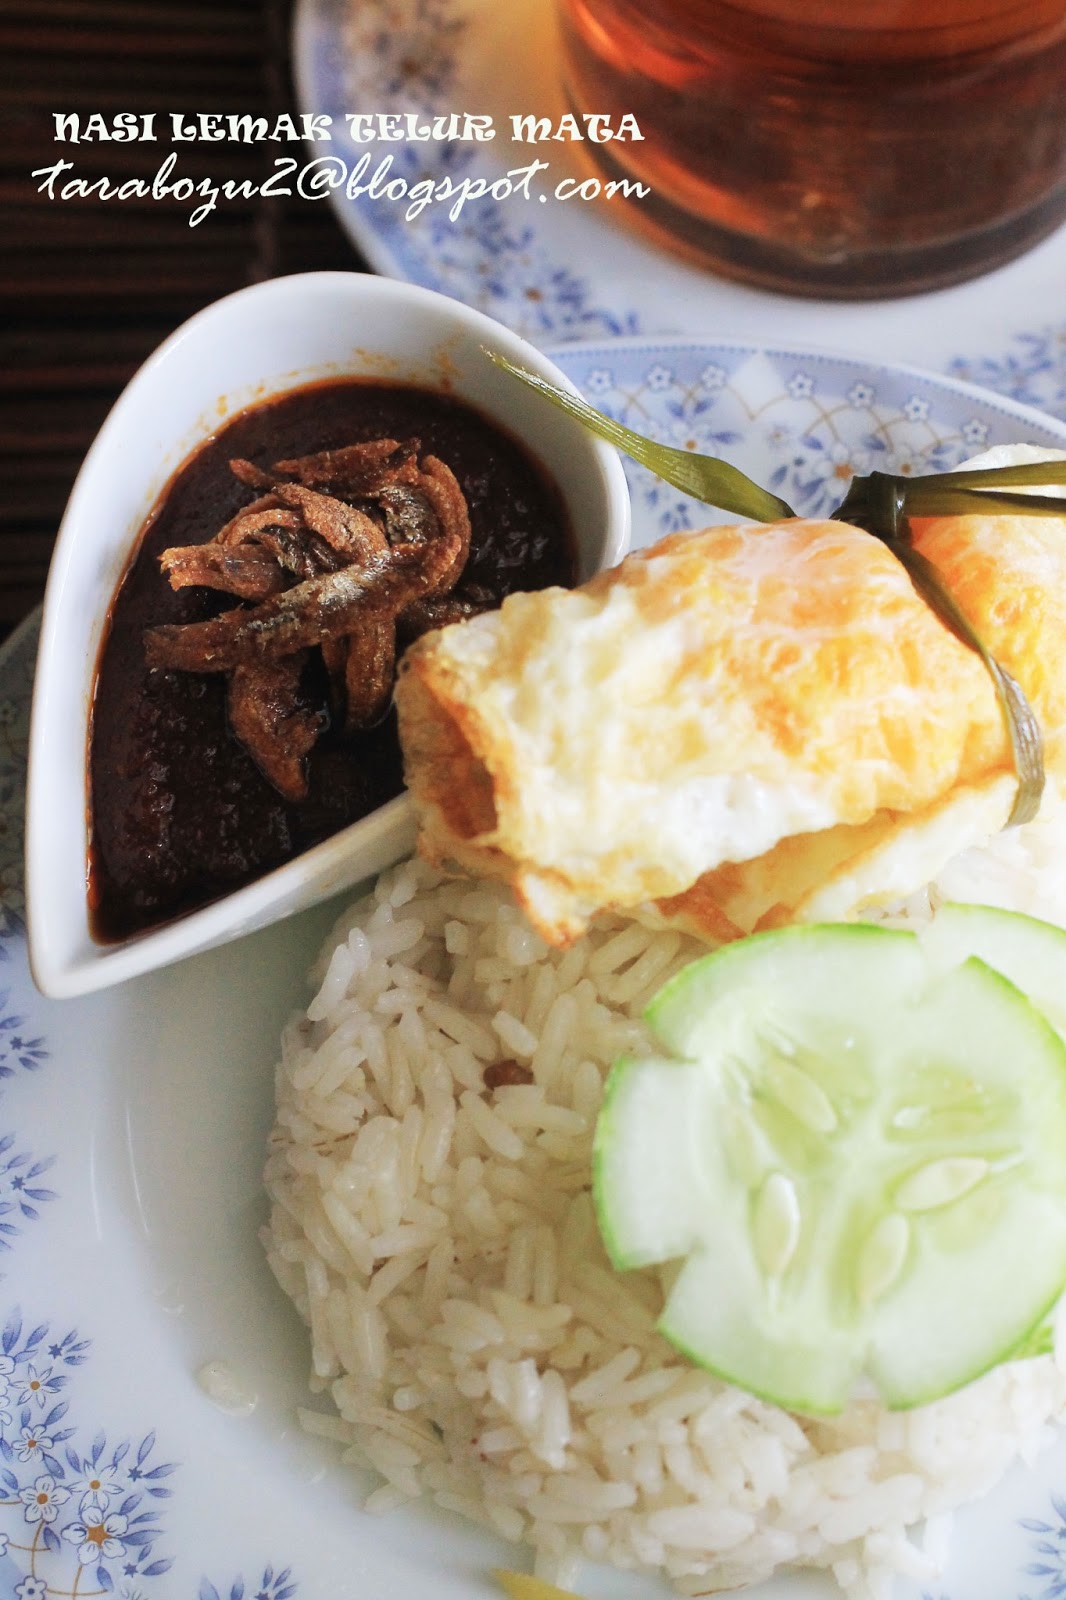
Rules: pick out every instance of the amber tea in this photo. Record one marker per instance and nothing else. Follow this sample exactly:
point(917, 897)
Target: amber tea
point(839, 147)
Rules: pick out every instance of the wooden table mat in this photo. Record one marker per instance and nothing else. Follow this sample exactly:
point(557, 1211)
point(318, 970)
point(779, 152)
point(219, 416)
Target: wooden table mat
point(88, 288)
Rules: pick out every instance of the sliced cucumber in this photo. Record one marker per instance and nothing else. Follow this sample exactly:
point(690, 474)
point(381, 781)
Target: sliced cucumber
point(852, 1150)
point(1031, 953)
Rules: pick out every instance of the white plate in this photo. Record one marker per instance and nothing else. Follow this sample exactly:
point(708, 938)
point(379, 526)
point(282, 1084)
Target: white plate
point(132, 1127)
point(562, 270)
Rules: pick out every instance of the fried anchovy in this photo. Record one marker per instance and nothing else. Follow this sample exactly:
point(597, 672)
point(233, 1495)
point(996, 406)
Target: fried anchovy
point(318, 608)
point(369, 670)
point(356, 470)
point(304, 615)
point(441, 488)
point(322, 571)
point(345, 528)
point(249, 573)
point(265, 513)
point(264, 502)
point(297, 552)
point(409, 515)
point(335, 660)
point(247, 472)
point(266, 716)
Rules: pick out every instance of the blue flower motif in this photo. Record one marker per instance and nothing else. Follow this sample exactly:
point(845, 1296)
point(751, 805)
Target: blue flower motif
point(16, 1049)
point(19, 1173)
point(272, 1586)
point(1050, 1546)
point(43, 1498)
point(779, 436)
point(975, 431)
point(34, 1443)
point(1033, 371)
point(71, 1350)
point(915, 409)
point(38, 1387)
point(659, 377)
point(31, 1589)
point(861, 395)
point(402, 57)
point(516, 280)
point(714, 377)
point(96, 1483)
point(98, 1536)
point(599, 381)
point(800, 386)
point(815, 478)
point(942, 458)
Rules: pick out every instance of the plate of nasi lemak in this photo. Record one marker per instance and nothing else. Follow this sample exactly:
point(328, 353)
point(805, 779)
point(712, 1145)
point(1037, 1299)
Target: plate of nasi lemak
point(651, 1176)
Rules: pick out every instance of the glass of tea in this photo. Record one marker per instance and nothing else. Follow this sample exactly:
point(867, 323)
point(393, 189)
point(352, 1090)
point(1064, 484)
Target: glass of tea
point(845, 148)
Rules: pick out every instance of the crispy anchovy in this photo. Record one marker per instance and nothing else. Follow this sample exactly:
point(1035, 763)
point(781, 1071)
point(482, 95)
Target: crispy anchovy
point(345, 528)
point(265, 513)
point(441, 488)
point(247, 472)
point(361, 577)
point(312, 611)
point(335, 660)
point(250, 573)
point(324, 557)
point(266, 716)
point(264, 502)
point(409, 514)
point(317, 609)
point(355, 470)
point(291, 553)
point(371, 666)
point(370, 670)
point(302, 554)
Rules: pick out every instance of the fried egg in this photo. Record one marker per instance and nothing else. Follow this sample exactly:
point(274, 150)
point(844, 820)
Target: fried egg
point(739, 726)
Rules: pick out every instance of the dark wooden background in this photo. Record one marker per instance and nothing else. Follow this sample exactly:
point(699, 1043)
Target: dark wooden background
point(88, 289)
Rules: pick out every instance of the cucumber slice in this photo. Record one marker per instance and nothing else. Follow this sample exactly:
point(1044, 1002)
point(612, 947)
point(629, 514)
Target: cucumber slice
point(1031, 953)
point(851, 1153)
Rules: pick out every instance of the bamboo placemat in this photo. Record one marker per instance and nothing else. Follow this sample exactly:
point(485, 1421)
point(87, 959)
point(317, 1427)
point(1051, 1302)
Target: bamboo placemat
point(87, 288)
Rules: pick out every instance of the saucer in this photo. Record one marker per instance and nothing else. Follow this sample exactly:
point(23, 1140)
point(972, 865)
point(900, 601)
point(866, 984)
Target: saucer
point(563, 269)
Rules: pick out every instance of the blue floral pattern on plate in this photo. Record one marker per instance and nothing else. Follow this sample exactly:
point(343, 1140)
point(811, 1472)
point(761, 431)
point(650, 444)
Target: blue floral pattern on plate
point(556, 271)
point(271, 1586)
point(22, 1049)
point(93, 1505)
point(1032, 370)
point(412, 48)
point(80, 1514)
point(801, 423)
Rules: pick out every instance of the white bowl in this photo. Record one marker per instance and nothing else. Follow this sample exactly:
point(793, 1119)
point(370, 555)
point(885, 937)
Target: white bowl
point(256, 343)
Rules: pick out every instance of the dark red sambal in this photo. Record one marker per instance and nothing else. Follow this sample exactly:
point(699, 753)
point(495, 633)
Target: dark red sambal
point(180, 812)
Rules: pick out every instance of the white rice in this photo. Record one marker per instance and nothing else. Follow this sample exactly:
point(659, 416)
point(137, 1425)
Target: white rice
point(439, 1240)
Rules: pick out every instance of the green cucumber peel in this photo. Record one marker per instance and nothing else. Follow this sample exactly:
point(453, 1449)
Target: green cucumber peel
point(849, 1146)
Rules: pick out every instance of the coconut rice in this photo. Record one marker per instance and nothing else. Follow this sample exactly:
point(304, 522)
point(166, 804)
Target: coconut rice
point(438, 1236)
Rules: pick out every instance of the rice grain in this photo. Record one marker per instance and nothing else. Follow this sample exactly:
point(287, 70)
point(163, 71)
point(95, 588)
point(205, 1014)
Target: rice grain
point(441, 1242)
